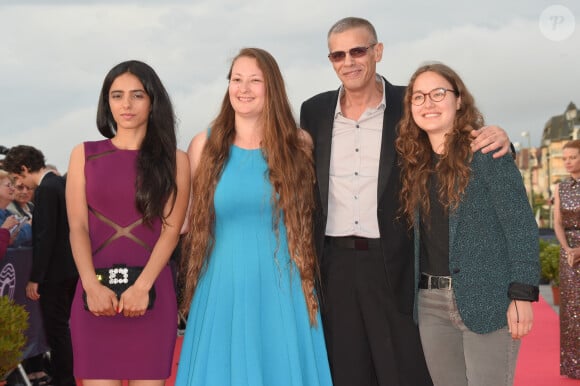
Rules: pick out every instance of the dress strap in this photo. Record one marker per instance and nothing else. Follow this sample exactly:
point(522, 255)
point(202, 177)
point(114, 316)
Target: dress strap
point(120, 231)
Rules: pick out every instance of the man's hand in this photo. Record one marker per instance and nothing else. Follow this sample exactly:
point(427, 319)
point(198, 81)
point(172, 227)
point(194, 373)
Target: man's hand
point(32, 291)
point(490, 138)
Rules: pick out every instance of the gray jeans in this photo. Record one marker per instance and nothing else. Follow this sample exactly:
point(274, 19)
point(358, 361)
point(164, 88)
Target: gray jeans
point(457, 356)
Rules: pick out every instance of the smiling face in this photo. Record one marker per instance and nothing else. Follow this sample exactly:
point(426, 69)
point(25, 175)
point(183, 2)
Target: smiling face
point(129, 103)
point(356, 74)
point(435, 118)
point(247, 89)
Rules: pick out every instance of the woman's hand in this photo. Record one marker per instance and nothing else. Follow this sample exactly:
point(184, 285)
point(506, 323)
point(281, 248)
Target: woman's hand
point(520, 318)
point(10, 222)
point(134, 301)
point(572, 255)
point(102, 301)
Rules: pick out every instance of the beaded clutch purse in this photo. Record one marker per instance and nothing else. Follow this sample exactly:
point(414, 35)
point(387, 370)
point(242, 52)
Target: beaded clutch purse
point(119, 277)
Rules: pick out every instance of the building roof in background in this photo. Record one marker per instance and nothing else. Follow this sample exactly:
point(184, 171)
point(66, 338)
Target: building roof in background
point(561, 127)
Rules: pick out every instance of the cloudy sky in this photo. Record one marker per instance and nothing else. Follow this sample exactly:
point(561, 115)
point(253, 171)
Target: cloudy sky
point(520, 58)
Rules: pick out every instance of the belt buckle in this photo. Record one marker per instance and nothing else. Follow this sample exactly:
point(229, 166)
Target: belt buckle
point(438, 282)
point(443, 282)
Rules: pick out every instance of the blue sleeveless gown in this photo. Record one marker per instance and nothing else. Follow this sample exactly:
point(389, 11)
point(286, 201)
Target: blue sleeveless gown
point(248, 323)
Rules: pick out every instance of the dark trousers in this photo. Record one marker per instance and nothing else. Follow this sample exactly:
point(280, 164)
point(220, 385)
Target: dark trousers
point(55, 303)
point(369, 342)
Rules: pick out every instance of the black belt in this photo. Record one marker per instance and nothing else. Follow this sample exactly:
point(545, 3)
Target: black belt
point(434, 282)
point(354, 242)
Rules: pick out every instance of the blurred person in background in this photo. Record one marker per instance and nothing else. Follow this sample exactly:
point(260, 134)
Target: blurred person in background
point(567, 229)
point(22, 204)
point(21, 232)
point(17, 225)
point(53, 276)
point(7, 220)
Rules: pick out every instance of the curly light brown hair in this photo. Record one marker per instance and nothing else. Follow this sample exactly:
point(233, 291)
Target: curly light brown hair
point(415, 150)
point(290, 171)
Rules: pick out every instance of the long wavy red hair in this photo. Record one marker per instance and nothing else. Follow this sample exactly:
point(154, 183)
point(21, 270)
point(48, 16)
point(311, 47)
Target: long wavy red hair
point(291, 173)
point(415, 152)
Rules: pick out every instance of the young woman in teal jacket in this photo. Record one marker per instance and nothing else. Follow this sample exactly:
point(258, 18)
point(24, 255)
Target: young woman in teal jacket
point(476, 240)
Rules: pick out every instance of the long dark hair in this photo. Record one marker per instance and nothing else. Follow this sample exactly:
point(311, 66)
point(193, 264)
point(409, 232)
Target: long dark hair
point(156, 164)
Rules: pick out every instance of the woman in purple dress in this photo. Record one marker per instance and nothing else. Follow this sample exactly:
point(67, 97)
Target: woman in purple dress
point(567, 229)
point(126, 200)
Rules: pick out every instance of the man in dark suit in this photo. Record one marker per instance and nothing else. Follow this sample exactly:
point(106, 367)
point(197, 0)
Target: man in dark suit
point(54, 275)
point(365, 251)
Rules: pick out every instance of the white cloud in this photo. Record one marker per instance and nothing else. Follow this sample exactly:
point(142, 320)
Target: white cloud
point(518, 77)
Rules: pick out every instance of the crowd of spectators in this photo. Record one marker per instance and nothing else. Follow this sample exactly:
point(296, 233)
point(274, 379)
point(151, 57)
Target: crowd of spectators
point(16, 213)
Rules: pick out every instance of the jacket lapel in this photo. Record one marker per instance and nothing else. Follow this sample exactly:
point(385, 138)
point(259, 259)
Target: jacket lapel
point(393, 113)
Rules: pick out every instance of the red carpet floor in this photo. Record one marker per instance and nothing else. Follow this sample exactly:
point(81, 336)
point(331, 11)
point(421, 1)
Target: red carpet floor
point(539, 358)
point(538, 361)
point(171, 380)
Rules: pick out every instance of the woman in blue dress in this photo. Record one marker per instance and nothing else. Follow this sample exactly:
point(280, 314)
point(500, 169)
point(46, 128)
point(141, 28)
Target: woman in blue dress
point(249, 260)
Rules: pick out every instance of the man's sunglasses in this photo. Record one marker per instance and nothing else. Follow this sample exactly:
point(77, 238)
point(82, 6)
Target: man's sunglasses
point(356, 52)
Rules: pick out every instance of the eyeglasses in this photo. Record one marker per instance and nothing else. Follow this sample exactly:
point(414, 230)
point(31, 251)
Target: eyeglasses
point(436, 95)
point(21, 188)
point(9, 185)
point(356, 52)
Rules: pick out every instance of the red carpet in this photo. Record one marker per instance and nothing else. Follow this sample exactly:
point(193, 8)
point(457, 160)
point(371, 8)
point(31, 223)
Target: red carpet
point(171, 380)
point(538, 361)
point(539, 358)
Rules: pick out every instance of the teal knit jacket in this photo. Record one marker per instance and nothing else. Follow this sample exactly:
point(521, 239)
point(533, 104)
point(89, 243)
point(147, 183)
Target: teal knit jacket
point(493, 241)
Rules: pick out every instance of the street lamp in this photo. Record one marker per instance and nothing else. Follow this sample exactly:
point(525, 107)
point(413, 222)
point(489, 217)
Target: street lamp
point(527, 134)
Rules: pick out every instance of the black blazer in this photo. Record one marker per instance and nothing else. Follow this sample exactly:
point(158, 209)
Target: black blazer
point(52, 259)
point(317, 117)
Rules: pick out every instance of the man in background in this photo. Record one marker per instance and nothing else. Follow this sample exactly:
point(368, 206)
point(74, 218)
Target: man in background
point(54, 276)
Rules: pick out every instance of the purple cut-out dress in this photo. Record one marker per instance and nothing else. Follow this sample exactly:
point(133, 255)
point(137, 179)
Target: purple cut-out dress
point(118, 347)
